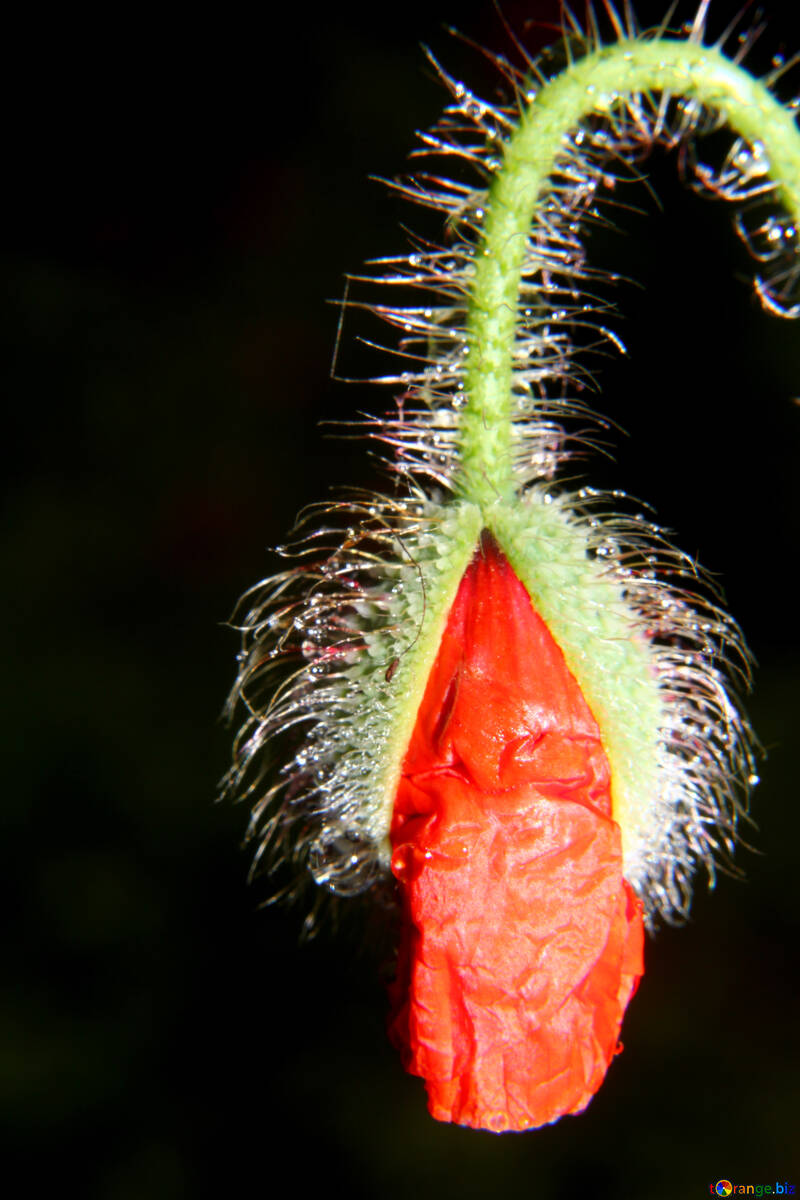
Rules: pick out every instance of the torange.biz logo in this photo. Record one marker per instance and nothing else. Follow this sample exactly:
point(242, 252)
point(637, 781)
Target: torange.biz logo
point(724, 1187)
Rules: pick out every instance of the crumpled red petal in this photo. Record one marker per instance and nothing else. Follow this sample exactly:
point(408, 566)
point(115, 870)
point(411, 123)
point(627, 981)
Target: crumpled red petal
point(522, 941)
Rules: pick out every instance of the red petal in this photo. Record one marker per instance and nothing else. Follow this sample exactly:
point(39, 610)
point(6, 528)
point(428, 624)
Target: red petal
point(522, 942)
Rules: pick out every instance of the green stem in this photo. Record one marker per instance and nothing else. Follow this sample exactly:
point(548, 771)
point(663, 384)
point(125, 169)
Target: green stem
point(595, 84)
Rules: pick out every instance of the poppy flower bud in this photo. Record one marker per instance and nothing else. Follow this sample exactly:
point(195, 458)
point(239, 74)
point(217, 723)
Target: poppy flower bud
point(511, 702)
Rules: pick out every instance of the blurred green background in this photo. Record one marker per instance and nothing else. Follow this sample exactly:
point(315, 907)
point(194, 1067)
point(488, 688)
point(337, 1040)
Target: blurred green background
point(181, 197)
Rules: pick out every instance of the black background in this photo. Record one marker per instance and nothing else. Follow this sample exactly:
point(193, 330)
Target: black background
point(182, 195)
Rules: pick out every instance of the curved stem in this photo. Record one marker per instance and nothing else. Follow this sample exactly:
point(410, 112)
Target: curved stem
point(595, 84)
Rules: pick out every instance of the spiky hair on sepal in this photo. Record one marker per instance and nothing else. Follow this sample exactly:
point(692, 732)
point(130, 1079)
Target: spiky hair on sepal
point(336, 650)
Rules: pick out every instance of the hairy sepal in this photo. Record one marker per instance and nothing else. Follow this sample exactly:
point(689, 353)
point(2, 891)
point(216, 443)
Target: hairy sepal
point(335, 656)
point(654, 662)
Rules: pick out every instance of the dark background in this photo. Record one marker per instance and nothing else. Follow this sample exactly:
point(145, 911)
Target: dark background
point(181, 197)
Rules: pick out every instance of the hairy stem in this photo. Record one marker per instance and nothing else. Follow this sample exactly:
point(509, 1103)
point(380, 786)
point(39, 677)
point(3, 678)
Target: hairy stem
point(595, 84)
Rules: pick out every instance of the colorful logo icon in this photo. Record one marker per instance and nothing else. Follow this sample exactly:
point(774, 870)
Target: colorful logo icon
point(724, 1187)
